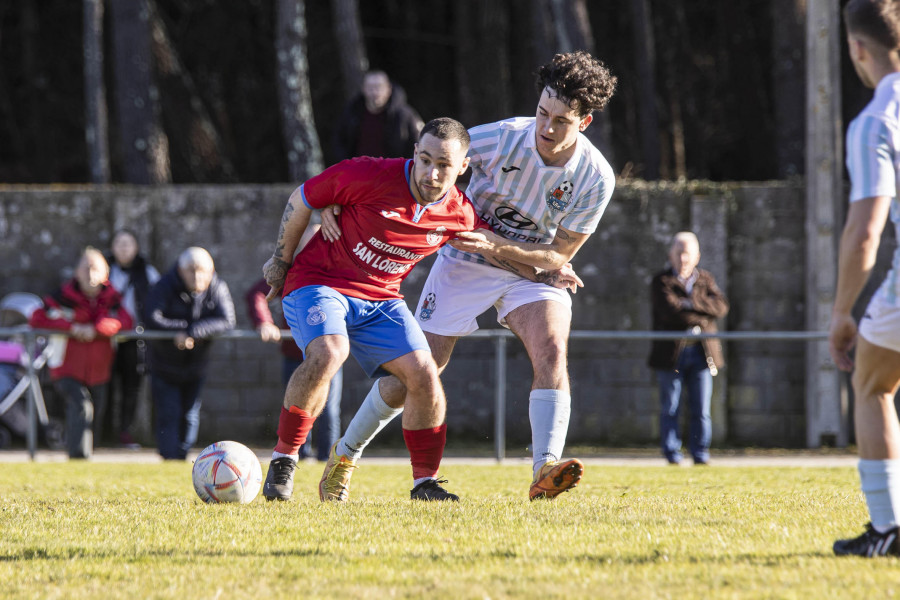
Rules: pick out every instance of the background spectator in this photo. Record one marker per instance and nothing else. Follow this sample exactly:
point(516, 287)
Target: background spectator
point(90, 309)
point(377, 122)
point(191, 301)
point(132, 277)
point(686, 298)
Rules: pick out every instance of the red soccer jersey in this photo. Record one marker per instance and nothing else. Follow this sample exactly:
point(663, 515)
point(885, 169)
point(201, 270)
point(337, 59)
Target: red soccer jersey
point(384, 231)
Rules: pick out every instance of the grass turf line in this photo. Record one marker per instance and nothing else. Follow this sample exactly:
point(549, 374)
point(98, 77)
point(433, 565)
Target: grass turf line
point(82, 530)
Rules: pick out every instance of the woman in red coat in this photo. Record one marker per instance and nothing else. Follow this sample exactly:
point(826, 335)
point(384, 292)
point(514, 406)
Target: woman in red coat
point(90, 310)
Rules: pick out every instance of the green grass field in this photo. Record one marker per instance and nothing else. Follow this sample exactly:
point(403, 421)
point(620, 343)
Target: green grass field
point(93, 530)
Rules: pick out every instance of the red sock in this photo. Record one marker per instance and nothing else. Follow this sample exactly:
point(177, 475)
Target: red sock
point(426, 448)
point(293, 427)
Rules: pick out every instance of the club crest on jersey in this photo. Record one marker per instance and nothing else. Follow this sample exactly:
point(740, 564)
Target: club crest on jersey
point(559, 198)
point(315, 315)
point(428, 306)
point(435, 236)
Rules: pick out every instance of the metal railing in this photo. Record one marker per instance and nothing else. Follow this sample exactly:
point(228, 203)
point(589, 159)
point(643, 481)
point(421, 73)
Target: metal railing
point(500, 338)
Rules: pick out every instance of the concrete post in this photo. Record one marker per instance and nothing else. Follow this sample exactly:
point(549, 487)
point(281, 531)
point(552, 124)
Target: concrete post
point(826, 407)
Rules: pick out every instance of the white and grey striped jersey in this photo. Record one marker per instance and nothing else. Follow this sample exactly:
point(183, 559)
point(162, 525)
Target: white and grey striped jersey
point(526, 201)
point(873, 161)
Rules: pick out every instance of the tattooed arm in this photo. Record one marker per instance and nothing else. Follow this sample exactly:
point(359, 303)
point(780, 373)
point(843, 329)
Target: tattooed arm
point(563, 278)
point(550, 256)
point(294, 222)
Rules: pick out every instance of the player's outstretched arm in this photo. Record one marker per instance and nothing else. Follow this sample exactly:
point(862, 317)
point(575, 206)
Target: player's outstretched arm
point(564, 278)
point(552, 256)
point(294, 222)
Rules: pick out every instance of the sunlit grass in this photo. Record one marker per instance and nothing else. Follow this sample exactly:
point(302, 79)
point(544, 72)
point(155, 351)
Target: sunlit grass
point(82, 530)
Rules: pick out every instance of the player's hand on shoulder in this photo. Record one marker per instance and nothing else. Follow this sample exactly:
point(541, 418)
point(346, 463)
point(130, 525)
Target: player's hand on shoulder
point(331, 229)
point(841, 339)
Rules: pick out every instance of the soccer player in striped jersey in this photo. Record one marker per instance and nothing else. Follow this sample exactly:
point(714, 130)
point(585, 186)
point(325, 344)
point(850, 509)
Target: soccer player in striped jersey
point(543, 187)
point(873, 160)
point(344, 298)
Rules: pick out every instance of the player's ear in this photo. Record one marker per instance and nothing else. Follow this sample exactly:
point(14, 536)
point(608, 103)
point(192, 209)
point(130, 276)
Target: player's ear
point(585, 122)
point(464, 165)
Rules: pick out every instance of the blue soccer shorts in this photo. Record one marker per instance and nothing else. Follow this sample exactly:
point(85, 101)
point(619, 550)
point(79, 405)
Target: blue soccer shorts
point(379, 331)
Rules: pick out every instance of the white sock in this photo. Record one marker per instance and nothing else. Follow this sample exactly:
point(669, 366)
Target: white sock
point(373, 415)
point(293, 457)
point(421, 480)
point(880, 482)
point(548, 411)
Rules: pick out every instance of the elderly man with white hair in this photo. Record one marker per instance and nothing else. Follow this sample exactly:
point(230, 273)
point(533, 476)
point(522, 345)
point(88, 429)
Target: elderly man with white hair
point(686, 298)
point(195, 305)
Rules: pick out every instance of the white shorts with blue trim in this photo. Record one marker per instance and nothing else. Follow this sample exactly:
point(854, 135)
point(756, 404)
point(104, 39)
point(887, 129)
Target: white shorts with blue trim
point(457, 291)
point(880, 324)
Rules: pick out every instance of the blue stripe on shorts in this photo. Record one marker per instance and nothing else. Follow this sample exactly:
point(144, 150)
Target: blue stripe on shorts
point(379, 331)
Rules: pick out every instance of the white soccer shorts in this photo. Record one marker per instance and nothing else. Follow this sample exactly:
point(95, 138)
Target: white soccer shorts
point(457, 291)
point(880, 324)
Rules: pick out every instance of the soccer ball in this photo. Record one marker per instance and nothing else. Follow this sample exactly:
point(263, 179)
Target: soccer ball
point(227, 472)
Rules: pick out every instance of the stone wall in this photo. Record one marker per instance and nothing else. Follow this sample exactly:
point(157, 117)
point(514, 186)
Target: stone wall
point(751, 235)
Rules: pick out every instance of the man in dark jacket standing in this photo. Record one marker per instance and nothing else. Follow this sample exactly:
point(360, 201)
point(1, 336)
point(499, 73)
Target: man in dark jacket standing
point(686, 298)
point(193, 302)
point(377, 122)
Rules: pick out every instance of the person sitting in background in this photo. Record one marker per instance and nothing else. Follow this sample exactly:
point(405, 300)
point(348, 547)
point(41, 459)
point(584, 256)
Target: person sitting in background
point(686, 298)
point(377, 122)
point(91, 310)
point(132, 277)
point(192, 302)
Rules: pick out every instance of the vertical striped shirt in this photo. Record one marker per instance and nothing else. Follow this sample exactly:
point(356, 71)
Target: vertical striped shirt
point(873, 160)
point(526, 201)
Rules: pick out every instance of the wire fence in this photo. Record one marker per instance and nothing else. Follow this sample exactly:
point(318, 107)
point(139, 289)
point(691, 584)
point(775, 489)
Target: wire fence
point(500, 337)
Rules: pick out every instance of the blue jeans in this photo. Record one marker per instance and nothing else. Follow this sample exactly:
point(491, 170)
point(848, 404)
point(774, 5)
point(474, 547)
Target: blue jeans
point(693, 373)
point(177, 415)
point(327, 428)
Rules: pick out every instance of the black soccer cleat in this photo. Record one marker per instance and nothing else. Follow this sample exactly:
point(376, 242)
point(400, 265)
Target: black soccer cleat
point(870, 543)
point(432, 490)
point(280, 479)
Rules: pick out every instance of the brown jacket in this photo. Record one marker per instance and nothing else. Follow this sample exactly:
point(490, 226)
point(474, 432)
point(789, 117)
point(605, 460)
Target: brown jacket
point(670, 313)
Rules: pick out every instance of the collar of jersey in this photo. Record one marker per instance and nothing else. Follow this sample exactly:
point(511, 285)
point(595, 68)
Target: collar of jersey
point(420, 210)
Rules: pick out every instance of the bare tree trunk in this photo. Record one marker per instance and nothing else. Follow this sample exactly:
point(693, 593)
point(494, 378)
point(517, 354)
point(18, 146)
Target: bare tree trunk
point(351, 45)
point(304, 155)
point(573, 32)
point(483, 31)
point(143, 143)
point(194, 137)
point(648, 115)
point(95, 93)
point(788, 18)
point(673, 157)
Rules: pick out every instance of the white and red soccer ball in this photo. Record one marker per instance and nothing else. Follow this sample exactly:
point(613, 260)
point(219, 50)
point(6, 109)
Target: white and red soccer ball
point(227, 472)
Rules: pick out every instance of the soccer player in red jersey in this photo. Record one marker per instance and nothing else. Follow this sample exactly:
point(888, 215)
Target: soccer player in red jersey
point(343, 298)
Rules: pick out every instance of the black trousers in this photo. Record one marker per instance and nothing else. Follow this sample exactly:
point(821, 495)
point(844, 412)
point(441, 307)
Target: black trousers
point(83, 404)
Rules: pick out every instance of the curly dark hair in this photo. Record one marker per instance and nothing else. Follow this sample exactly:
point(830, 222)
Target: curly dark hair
point(580, 80)
point(876, 19)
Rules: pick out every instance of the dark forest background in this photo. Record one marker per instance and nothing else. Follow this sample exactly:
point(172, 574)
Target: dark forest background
point(203, 91)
